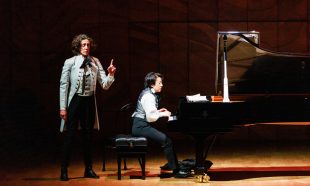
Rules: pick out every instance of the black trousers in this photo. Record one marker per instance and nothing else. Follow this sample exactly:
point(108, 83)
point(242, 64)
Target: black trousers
point(81, 110)
point(141, 127)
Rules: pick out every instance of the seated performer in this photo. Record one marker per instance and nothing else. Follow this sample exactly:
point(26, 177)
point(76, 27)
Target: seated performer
point(147, 113)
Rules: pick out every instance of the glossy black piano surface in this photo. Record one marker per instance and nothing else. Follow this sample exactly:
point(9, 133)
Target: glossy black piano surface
point(263, 86)
point(220, 117)
point(252, 70)
point(275, 86)
point(266, 86)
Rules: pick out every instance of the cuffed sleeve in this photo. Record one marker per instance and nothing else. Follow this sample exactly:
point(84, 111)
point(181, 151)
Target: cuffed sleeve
point(104, 80)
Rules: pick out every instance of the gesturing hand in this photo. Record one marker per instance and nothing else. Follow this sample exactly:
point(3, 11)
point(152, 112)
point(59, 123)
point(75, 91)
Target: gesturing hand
point(111, 68)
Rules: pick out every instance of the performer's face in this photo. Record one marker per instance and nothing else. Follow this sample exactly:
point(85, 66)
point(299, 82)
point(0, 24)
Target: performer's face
point(158, 85)
point(85, 47)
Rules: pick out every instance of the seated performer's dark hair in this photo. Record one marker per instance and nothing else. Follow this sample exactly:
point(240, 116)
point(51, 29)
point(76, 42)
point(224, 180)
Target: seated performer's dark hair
point(150, 79)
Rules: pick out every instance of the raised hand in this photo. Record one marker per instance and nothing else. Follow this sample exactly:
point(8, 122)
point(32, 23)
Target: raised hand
point(111, 69)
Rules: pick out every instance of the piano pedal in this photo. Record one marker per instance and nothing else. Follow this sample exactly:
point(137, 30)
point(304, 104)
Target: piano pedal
point(204, 178)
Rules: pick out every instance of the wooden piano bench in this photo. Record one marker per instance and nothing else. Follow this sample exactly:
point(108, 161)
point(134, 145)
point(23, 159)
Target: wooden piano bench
point(128, 146)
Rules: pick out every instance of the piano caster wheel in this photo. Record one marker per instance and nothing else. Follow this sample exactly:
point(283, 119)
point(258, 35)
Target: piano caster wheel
point(203, 178)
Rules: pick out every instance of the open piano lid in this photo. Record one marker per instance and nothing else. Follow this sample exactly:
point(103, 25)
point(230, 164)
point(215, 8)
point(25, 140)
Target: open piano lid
point(252, 70)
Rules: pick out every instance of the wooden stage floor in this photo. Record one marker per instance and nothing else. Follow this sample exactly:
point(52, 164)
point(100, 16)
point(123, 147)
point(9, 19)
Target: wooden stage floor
point(264, 163)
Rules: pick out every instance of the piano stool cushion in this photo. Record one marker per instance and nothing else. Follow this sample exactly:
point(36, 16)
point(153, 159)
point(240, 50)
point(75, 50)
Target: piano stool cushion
point(130, 143)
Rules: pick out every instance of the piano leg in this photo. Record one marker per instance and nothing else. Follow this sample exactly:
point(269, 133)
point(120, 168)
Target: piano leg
point(201, 151)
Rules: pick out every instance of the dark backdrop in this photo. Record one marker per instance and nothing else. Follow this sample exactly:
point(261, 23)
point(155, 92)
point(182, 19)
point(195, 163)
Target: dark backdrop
point(174, 37)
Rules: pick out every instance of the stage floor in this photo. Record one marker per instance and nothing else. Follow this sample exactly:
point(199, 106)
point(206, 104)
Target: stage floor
point(264, 163)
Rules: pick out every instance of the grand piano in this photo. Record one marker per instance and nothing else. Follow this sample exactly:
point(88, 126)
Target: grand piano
point(254, 86)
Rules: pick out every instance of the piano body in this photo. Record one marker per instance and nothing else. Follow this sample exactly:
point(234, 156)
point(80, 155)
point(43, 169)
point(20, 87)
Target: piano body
point(263, 87)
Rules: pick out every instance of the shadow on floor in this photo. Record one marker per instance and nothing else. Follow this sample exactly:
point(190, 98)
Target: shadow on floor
point(247, 173)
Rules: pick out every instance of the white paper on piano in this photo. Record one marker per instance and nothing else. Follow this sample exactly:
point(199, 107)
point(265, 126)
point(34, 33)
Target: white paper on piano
point(196, 98)
point(172, 118)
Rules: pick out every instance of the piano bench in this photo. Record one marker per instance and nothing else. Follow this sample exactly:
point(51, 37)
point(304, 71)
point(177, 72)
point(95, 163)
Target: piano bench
point(127, 146)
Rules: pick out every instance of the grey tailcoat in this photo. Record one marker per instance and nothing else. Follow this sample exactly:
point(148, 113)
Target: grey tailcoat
point(69, 82)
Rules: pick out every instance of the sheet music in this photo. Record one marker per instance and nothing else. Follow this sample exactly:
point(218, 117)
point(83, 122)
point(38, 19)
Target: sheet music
point(172, 118)
point(196, 98)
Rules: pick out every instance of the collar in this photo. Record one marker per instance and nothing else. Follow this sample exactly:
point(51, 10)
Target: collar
point(84, 57)
point(152, 90)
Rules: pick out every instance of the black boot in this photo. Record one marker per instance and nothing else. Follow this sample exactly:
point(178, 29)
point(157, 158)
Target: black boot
point(89, 173)
point(64, 174)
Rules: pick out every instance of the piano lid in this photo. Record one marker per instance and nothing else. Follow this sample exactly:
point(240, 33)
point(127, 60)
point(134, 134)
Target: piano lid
point(253, 70)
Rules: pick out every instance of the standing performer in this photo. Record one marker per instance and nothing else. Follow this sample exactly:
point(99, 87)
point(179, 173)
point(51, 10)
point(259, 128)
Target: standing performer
point(77, 99)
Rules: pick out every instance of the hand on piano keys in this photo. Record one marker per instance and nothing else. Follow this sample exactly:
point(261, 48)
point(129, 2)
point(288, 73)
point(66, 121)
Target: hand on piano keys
point(165, 111)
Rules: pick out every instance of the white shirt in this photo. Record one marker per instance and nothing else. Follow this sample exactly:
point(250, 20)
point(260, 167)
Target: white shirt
point(148, 103)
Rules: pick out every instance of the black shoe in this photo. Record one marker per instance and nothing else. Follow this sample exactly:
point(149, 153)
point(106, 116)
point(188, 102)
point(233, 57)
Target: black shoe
point(165, 167)
point(64, 174)
point(208, 164)
point(89, 173)
point(181, 173)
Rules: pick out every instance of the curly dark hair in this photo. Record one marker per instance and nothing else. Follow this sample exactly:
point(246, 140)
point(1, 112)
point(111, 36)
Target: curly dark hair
point(150, 79)
point(76, 43)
